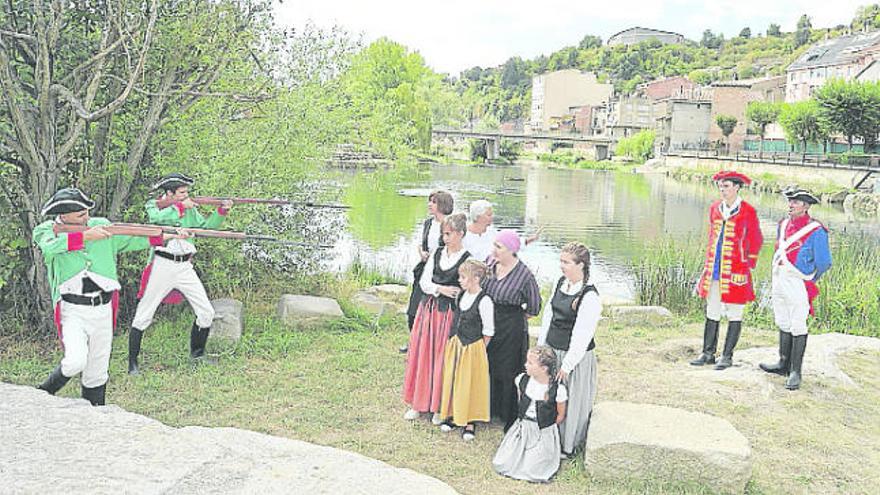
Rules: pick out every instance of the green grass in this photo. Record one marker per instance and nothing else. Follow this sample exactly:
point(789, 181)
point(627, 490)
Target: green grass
point(339, 385)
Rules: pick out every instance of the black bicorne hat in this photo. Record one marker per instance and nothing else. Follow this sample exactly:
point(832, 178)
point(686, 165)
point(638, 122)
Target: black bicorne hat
point(801, 195)
point(172, 181)
point(67, 200)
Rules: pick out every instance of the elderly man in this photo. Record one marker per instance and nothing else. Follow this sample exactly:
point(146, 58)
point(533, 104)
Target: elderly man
point(726, 283)
point(479, 240)
point(802, 256)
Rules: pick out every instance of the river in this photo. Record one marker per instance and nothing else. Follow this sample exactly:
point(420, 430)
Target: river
point(613, 213)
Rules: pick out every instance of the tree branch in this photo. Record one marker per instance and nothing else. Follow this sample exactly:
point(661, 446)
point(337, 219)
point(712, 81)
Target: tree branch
point(198, 94)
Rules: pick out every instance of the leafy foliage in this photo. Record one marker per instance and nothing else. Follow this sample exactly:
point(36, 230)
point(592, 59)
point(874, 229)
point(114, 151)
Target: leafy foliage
point(638, 147)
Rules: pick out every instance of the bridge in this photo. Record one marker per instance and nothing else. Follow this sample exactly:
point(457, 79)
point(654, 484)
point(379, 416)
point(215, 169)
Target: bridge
point(600, 144)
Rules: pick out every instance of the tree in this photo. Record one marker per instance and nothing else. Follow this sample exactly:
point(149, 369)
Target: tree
point(802, 33)
point(801, 122)
point(867, 18)
point(727, 123)
point(745, 33)
point(85, 91)
point(850, 108)
point(762, 114)
point(774, 30)
point(711, 40)
point(590, 41)
point(514, 73)
point(638, 147)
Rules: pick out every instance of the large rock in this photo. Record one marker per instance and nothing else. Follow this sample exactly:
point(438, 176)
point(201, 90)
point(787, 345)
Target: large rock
point(370, 302)
point(228, 320)
point(56, 445)
point(639, 315)
point(392, 292)
point(296, 308)
point(665, 446)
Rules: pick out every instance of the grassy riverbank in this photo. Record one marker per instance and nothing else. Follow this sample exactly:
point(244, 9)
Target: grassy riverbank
point(339, 385)
point(763, 182)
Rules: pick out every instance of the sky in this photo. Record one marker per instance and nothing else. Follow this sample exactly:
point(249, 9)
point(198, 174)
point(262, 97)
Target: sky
point(453, 35)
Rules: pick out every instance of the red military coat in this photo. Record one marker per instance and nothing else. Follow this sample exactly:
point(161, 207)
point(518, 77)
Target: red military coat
point(739, 253)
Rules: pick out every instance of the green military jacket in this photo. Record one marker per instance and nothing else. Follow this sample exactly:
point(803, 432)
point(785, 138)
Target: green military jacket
point(176, 216)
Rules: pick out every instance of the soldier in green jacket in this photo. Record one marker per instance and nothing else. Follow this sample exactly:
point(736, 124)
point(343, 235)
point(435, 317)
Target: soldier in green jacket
point(81, 269)
point(170, 273)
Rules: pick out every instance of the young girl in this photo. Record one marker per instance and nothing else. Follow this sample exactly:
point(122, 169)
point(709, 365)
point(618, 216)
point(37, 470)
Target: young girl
point(568, 327)
point(423, 380)
point(530, 448)
point(466, 367)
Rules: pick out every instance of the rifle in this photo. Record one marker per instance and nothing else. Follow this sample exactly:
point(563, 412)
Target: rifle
point(218, 200)
point(148, 230)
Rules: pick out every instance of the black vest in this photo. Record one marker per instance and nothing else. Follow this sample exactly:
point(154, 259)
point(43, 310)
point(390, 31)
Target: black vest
point(545, 409)
point(468, 323)
point(564, 316)
point(446, 277)
point(420, 266)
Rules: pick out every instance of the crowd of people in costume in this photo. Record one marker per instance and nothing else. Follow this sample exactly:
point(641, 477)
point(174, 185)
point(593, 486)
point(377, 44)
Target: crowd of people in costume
point(468, 360)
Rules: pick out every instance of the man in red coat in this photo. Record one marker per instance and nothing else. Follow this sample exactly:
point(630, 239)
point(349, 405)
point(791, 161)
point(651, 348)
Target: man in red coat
point(726, 283)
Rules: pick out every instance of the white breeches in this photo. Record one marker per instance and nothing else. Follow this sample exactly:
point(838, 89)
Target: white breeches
point(87, 334)
point(791, 307)
point(165, 276)
point(715, 309)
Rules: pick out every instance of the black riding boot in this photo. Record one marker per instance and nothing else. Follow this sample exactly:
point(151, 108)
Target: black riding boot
point(134, 348)
point(198, 338)
point(54, 382)
point(710, 343)
point(94, 395)
point(798, 346)
point(780, 368)
point(734, 328)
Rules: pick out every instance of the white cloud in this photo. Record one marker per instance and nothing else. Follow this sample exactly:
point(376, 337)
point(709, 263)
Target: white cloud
point(456, 34)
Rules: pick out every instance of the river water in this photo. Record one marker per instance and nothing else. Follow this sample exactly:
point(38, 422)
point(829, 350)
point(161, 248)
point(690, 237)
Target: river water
point(613, 213)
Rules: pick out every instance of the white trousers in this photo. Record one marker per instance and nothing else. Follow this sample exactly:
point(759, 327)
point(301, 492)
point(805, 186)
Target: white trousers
point(87, 334)
point(165, 276)
point(791, 306)
point(715, 309)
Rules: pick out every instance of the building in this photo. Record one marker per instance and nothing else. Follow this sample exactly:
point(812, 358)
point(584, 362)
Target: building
point(628, 115)
point(554, 94)
point(843, 57)
point(667, 87)
point(732, 98)
point(682, 123)
point(637, 34)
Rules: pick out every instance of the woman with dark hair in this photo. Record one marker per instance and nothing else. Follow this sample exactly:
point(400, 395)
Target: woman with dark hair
point(568, 327)
point(515, 293)
point(440, 204)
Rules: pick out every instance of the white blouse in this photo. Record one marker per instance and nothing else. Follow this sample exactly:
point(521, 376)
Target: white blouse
point(486, 309)
point(536, 391)
point(588, 316)
point(447, 261)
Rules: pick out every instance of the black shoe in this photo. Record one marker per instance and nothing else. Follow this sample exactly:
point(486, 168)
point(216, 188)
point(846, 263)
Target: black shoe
point(94, 395)
point(798, 346)
point(734, 329)
point(403, 350)
point(134, 348)
point(710, 343)
point(780, 368)
point(198, 338)
point(54, 382)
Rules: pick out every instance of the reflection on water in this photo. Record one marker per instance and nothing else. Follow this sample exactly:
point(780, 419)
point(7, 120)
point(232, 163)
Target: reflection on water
point(612, 213)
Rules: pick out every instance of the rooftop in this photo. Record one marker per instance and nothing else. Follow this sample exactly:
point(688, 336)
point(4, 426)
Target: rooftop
point(836, 51)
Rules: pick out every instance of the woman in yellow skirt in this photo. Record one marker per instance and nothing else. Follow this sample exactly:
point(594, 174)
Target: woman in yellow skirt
point(465, 398)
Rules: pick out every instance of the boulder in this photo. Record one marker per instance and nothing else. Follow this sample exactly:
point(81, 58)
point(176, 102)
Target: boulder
point(294, 308)
point(370, 302)
point(228, 320)
point(665, 446)
point(60, 445)
point(639, 315)
point(392, 292)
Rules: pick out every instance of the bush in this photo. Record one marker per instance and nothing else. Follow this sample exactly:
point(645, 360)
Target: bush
point(638, 147)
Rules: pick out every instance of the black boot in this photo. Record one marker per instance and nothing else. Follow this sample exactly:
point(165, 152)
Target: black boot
point(710, 343)
point(780, 368)
point(198, 338)
point(94, 395)
point(54, 382)
point(798, 346)
point(134, 348)
point(734, 328)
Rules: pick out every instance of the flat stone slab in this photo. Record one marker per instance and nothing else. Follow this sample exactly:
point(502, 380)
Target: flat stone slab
point(370, 302)
point(228, 320)
point(295, 308)
point(638, 315)
point(392, 292)
point(52, 445)
point(820, 359)
point(668, 446)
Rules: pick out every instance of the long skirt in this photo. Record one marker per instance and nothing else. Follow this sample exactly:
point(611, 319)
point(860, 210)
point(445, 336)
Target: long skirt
point(581, 387)
point(465, 383)
point(422, 384)
point(528, 452)
point(507, 357)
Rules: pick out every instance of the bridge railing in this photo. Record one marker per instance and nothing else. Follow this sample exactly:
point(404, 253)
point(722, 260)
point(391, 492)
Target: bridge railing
point(864, 162)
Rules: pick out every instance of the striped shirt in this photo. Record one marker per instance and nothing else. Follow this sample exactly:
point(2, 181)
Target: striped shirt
point(517, 288)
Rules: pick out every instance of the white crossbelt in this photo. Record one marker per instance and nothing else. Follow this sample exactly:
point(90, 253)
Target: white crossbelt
point(780, 259)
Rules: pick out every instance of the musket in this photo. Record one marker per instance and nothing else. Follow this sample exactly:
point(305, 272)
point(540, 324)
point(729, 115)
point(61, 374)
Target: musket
point(148, 230)
point(218, 200)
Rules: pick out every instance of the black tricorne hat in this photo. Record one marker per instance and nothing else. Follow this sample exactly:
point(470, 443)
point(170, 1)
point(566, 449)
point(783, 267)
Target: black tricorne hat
point(172, 181)
point(801, 195)
point(67, 200)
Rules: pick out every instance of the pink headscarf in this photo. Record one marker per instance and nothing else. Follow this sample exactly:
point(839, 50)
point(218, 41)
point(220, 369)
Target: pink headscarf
point(509, 239)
